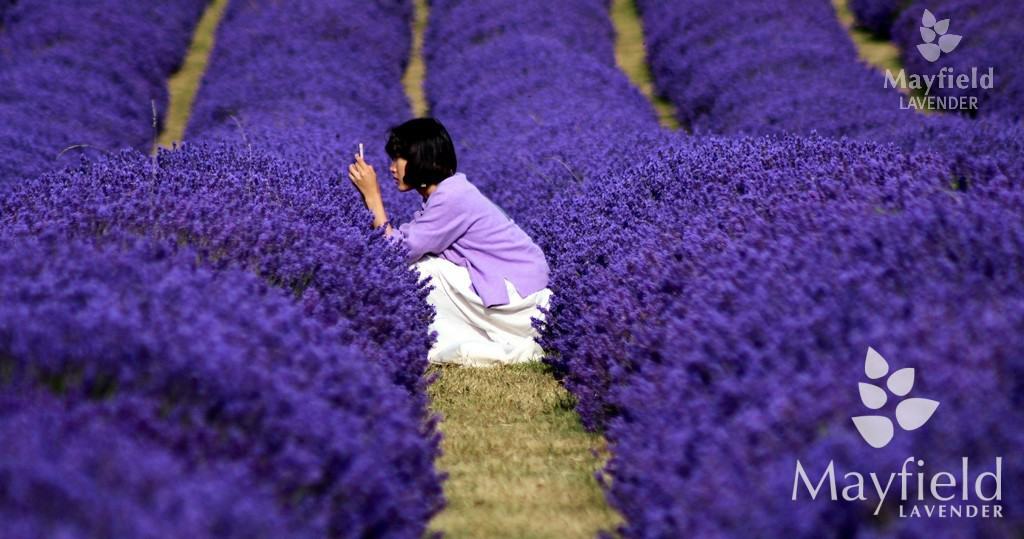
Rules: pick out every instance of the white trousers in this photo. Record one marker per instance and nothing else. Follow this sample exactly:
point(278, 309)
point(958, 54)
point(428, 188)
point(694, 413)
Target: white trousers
point(469, 333)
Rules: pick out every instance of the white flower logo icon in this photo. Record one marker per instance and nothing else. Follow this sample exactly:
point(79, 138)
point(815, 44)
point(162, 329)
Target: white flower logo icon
point(932, 29)
point(912, 413)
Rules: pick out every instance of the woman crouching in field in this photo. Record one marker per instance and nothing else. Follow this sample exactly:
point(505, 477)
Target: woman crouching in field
point(488, 276)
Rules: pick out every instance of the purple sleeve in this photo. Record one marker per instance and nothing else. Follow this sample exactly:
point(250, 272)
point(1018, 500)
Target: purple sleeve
point(433, 229)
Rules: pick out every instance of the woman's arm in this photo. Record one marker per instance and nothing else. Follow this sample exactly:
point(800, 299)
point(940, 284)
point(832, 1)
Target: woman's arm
point(380, 217)
point(440, 223)
point(365, 179)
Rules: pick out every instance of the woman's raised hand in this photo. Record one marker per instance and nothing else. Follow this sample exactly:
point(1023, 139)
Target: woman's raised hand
point(364, 178)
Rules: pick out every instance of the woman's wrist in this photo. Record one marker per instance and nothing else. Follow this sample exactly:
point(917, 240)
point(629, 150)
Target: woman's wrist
point(372, 197)
point(380, 217)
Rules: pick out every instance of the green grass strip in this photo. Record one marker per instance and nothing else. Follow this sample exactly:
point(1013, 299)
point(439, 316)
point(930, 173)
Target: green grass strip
point(184, 84)
point(631, 58)
point(520, 463)
point(416, 70)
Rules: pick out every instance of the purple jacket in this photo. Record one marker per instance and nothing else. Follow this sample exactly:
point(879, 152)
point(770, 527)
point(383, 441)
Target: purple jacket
point(463, 226)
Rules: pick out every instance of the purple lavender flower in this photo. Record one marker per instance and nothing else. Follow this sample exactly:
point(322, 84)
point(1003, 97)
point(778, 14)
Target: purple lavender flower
point(299, 229)
point(877, 16)
point(218, 367)
point(308, 81)
point(85, 77)
point(758, 361)
point(229, 299)
point(75, 472)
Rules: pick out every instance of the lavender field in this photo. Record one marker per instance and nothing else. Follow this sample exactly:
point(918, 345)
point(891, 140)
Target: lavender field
point(794, 310)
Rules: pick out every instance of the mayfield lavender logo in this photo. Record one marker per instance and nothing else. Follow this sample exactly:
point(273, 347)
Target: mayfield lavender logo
point(937, 40)
point(936, 36)
point(978, 498)
point(911, 413)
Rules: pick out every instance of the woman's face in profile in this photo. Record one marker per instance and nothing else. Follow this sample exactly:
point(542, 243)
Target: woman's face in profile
point(398, 173)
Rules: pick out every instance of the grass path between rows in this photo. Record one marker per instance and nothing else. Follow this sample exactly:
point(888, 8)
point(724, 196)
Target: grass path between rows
point(416, 71)
point(184, 84)
point(878, 53)
point(520, 464)
point(631, 57)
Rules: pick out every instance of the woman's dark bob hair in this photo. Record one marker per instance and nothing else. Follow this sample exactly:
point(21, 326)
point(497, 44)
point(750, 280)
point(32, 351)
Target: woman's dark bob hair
point(427, 147)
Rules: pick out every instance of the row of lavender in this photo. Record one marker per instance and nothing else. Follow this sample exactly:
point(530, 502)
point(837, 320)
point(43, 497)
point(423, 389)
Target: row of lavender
point(311, 106)
point(86, 77)
point(192, 400)
point(753, 274)
point(220, 321)
point(983, 34)
point(788, 73)
point(753, 359)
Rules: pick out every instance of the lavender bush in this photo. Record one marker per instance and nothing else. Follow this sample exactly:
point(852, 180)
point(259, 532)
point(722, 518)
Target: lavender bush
point(89, 76)
point(217, 366)
point(532, 98)
point(629, 246)
point(305, 103)
point(877, 16)
point(581, 25)
point(78, 473)
point(309, 80)
point(757, 363)
point(301, 230)
point(990, 39)
point(790, 72)
point(696, 193)
point(269, 205)
point(755, 201)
